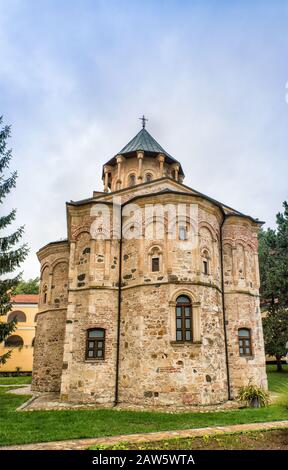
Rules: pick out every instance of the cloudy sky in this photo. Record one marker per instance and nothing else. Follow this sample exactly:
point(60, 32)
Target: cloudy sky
point(211, 76)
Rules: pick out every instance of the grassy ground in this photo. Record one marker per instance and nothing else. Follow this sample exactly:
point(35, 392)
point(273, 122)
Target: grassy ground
point(22, 379)
point(278, 381)
point(37, 426)
point(259, 440)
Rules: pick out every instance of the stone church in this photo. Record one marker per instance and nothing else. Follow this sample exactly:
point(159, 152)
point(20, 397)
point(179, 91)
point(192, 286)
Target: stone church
point(157, 306)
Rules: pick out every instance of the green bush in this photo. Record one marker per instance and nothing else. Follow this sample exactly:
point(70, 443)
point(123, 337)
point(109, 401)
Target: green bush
point(253, 396)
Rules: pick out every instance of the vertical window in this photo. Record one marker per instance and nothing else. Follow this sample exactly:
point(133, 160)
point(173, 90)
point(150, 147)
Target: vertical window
point(155, 265)
point(183, 319)
point(244, 339)
point(95, 344)
point(132, 180)
point(182, 232)
point(148, 177)
point(205, 262)
point(45, 294)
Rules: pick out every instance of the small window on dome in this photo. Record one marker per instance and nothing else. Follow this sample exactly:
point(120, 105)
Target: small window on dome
point(148, 177)
point(132, 180)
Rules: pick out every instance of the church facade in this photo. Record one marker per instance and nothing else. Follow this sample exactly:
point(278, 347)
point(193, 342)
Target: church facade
point(153, 299)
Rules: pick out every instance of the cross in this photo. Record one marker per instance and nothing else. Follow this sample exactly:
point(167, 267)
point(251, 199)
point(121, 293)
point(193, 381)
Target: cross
point(143, 119)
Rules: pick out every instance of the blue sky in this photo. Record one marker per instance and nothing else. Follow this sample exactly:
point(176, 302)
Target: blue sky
point(211, 76)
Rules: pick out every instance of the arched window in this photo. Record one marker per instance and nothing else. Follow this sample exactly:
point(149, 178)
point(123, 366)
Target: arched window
point(155, 259)
point(182, 232)
point(148, 177)
point(184, 330)
point(244, 340)
point(206, 262)
point(132, 180)
point(14, 341)
point(155, 264)
point(17, 315)
point(45, 288)
point(95, 343)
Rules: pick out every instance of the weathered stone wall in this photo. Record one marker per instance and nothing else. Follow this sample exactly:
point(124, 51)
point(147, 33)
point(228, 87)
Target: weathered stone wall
point(90, 380)
point(48, 351)
point(154, 369)
point(93, 303)
point(241, 279)
point(50, 330)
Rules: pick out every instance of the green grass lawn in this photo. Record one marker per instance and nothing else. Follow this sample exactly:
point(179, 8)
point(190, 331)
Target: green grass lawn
point(37, 426)
point(21, 379)
point(278, 381)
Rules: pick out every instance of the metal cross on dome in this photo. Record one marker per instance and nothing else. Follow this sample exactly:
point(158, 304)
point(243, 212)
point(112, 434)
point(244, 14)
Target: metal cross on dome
point(143, 119)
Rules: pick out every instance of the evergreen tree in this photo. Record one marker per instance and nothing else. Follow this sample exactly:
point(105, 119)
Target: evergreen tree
point(275, 328)
point(11, 255)
point(273, 263)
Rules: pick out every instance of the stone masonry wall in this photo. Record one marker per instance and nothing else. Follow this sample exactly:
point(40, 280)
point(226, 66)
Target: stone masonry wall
point(241, 279)
point(50, 329)
point(79, 291)
point(48, 351)
point(154, 369)
point(93, 303)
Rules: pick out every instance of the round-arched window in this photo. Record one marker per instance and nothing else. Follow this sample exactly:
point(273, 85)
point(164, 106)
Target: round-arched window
point(184, 328)
point(132, 180)
point(148, 177)
point(14, 341)
point(245, 343)
point(17, 315)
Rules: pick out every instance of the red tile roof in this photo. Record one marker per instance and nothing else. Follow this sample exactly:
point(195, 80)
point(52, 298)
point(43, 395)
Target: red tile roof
point(26, 298)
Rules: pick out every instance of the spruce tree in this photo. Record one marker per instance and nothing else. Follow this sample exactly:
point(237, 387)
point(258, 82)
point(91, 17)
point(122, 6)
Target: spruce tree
point(275, 328)
point(273, 263)
point(11, 254)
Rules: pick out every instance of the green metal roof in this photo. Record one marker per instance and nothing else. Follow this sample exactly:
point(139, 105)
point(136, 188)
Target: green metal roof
point(144, 141)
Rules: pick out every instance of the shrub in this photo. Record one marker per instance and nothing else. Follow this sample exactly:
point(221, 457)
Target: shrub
point(253, 396)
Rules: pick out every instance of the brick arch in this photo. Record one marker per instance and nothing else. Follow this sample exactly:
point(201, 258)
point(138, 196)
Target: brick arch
point(44, 283)
point(147, 171)
point(153, 246)
point(131, 172)
point(186, 292)
point(59, 290)
point(210, 228)
point(58, 260)
point(79, 230)
point(43, 267)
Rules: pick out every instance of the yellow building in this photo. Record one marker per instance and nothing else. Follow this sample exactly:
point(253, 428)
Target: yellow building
point(21, 341)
